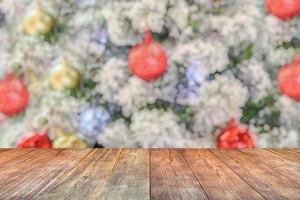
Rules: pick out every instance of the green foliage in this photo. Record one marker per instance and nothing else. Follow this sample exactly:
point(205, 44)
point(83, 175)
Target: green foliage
point(294, 43)
point(186, 117)
point(89, 84)
point(50, 37)
point(251, 112)
point(159, 104)
point(193, 23)
point(2, 19)
point(244, 54)
point(17, 69)
point(84, 90)
point(119, 115)
point(234, 60)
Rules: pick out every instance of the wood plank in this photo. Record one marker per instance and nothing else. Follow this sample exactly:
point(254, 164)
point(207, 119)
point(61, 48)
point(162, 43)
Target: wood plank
point(295, 152)
point(260, 176)
point(285, 155)
point(285, 167)
point(7, 155)
point(172, 178)
point(218, 181)
point(288, 152)
point(85, 180)
point(125, 174)
point(37, 173)
point(5, 149)
point(107, 174)
point(16, 167)
point(130, 178)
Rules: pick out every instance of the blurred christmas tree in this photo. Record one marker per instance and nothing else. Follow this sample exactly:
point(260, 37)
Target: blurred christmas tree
point(169, 73)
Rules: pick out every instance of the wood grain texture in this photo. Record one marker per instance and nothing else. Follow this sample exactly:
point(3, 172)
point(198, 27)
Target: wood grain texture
point(106, 174)
point(7, 155)
point(172, 178)
point(14, 168)
point(87, 179)
point(38, 170)
point(259, 175)
point(129, 179)
point(283, 153)
point(149, 174)
point(284, 167)
point(218, 180)
point(294, 152)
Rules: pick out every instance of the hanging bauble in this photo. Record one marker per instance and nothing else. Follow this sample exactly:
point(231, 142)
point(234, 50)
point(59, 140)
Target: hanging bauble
point(38, 22)
point(289, 79)
point(67, 140)
point(35, 141)
point(93, 120)
point(148, 60)
point(235, 136)
point(64, 77)
point(283, 9)
point(14, 95)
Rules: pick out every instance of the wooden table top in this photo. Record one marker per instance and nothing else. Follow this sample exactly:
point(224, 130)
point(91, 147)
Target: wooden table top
point(150, 174)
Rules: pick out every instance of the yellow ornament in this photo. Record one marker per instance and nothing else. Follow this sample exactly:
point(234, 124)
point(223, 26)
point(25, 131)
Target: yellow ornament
point(64, 77)
point(67, 140)
point(38, 22)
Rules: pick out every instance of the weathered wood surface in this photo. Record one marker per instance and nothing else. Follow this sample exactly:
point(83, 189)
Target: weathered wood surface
point(172, 178)
point(150, 174)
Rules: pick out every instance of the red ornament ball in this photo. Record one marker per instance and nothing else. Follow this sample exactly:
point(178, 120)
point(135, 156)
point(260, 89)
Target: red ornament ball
point(148, 60)
point(14, 95)
point(289, 79)
point(283, 9)
point(35, 141)
point(235, 136)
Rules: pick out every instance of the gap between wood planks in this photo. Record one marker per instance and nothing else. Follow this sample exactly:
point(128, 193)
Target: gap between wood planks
point(193, 173)
point(239, 176)
point(218, 180)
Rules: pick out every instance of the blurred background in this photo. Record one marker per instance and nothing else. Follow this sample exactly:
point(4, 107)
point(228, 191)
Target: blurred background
point(147, 73)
